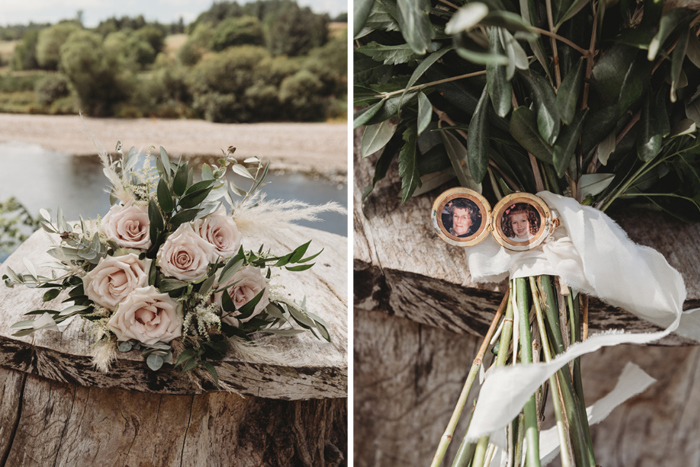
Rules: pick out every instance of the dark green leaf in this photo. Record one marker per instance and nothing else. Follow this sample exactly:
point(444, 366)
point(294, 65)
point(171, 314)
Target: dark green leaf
point(155, 219)
point(168, 285)
point(226, 302)
point(415, 24)
point(165, 198)
point(567, 95)
point(302, 267)
point(457, 154)
point(471, 51)
point(180, 180)
point(375, 137)
point(425, 113)
point(499, 88)
point(523, 127)
point(408, 171)
point(187, 354)
point(152, 274)
point(666, 26)
point(309, 258)
point(200, 186)
point(247, 310)
point(565, 147)
point(182, 217)
point(548, 122)
point(165, 162)
point(194, 199)
point(299, 252)
point(382, 165)
point(364, 115)
point(574, 8)
point(478, 139)
point(391, 107)
point(423, 66)
point(51, 294)
point(190, 365)
point(677, 58)
point(389, 54)
point(361, 13)
point(212, 371)
point(662, 112)
point(650, 136)
point(693, 50)
point(510, 21)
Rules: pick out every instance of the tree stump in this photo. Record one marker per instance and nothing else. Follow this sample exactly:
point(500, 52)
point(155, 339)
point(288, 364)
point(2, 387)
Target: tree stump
point(289, 407)
point(418, 318)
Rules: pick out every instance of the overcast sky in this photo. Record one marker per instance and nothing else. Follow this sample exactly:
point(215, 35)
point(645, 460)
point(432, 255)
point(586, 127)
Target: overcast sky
point(164, 11)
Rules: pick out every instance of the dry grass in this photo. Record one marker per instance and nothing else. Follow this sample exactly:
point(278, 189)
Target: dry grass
point(336, 29)
point(6, 49)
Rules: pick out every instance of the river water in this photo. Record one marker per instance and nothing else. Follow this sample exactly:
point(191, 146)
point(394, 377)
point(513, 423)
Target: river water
point(40, 178)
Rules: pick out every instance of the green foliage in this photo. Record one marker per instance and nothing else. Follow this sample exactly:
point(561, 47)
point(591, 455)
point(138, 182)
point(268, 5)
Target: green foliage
point(49, 44)
point(198, 41)
point(293, 31)
point(301, 96)
point(24, 55)
point(96, 73)
point(626, 114)
point(15, 224)
point(244, 30)
point(154, 35)
point(51, 88)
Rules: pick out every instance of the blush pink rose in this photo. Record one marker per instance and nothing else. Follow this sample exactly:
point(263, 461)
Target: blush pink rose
point(221, 231)
point(114, 278)
point(242, 288)
point(185, 255)
point(147, 316)
point(128, 226)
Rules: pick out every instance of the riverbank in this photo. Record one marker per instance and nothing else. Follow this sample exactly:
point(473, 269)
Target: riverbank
point(300, 147)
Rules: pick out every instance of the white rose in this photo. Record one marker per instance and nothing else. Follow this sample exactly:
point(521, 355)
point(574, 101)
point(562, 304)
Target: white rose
point(221, 231)
point(244, 286)
point(114, 278)
point(147, 316)
point(185, 255)
point(128, 226)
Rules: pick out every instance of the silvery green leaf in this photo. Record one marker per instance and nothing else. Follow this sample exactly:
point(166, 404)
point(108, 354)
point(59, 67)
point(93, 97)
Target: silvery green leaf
point(29, 324)
point(593, 184)
point(431, 181)
point(217, 193)
point(13, 275)
point(606, 147)
point(154, 362)
point(250, 160)
point(30, 267)
point(125, 346)
point(47, 227)
point(242, 171)
point(283, 332)
point(229, 273)
point(168, 358)
point(207, 285)
point(72, 309)
point(684, 127)
point(458, 157)
point(466, 18)
point(235, 189)
point(45, 214)
point(118, 147)
point(274, 311)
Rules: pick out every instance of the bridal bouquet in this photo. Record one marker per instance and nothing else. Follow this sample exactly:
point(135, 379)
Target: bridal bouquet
point(166, 270)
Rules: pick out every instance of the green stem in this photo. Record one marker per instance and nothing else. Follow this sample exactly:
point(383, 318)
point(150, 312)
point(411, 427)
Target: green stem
point(473, 372)
point(530, 411)
point(553, 383)
point(480, 453)
point(386, 95)
point(578, 383)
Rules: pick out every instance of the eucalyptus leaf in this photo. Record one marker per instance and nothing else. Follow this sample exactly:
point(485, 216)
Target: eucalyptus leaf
point(568, 92)
point(415, 24)
point(425, 114)
point(466, 18)
point(154, 362)
point(408, 171)
point(375, 137)
point(478, 139)
point(361, 10)
point(497, 82)
point(523, 127)
point(125, 346)
point(548, 121)
point(565, 147)
point(650, 136)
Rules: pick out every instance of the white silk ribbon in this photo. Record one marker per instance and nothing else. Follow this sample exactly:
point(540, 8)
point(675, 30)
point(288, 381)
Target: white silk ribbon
point(592, 254)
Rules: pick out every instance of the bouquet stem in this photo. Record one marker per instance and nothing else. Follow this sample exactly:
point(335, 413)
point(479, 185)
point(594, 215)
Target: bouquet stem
point(476, 365)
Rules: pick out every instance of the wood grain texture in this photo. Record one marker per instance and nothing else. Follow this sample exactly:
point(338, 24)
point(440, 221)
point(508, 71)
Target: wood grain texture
point(68, 425)
point(291, 368)
point(402, 267)
point(408, 377)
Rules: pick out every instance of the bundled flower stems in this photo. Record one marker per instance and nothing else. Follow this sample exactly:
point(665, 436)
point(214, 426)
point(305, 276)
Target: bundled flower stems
point(533, 323)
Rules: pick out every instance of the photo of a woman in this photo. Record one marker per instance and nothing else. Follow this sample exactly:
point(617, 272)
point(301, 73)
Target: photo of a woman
point(461, 217)
point(520, 222)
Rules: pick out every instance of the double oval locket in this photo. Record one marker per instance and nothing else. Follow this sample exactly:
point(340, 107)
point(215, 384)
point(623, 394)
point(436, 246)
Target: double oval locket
point(518, 222)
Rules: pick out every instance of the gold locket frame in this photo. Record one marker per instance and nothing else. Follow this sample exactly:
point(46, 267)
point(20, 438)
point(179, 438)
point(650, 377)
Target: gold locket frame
point(540, 222)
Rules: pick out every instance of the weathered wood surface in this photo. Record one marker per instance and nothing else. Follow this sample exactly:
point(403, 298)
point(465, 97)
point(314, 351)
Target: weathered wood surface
point(402, 267)
point(45, 422)
point(290, 368)
point(407, 378)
